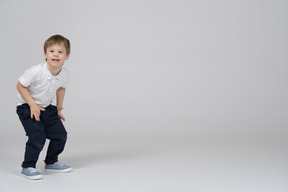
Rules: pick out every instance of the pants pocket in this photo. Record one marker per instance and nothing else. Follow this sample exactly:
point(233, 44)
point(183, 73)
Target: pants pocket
point(23, 111)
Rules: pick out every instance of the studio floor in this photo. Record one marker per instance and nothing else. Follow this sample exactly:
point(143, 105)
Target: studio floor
point(151, 163)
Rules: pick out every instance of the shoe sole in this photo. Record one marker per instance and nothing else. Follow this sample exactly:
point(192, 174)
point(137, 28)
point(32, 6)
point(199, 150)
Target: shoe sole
point(59, 170)
point(35, 177)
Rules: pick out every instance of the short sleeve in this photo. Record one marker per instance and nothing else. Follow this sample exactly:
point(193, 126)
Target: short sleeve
point(66, 79)
point(30, 75)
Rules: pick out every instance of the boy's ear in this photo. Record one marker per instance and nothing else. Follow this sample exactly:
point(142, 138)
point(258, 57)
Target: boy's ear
point(67, 57)
point(45, 55)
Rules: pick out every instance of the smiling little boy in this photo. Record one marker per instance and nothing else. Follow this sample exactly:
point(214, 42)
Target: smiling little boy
point(37, 88)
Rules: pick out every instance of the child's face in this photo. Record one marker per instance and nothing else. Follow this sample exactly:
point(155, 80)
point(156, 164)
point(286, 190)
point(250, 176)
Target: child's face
point(56, 56)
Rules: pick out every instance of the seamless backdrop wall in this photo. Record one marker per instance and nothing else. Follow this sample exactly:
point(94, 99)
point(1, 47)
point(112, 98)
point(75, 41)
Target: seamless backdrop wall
point(157, 67)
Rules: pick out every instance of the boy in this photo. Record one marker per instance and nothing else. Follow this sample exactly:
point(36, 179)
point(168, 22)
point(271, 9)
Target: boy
point(37, 88)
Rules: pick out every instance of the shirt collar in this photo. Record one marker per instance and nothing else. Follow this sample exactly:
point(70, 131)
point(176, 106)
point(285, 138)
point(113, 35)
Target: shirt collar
point(49, 75)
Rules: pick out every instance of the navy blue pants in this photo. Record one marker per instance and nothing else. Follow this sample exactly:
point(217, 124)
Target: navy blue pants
point(49, 127)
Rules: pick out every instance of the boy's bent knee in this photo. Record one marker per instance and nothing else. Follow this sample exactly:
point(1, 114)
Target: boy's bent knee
point(37, 140)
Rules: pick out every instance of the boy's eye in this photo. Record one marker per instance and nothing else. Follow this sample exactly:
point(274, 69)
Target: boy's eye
point(60, 51)
point(51, 51)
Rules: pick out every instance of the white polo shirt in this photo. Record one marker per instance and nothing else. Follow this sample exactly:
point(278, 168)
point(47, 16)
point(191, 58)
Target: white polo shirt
point(41, 84)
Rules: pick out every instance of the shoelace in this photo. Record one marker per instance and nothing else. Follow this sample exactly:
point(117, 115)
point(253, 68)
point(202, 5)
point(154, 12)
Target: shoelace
point(59, 164)
point(32, 170)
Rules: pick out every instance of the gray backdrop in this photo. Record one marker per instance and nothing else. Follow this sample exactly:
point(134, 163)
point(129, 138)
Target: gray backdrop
point(164, 95)
point(193, 68)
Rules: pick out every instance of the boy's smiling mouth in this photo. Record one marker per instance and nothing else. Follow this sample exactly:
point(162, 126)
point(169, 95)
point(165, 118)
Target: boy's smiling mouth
point(55, 59)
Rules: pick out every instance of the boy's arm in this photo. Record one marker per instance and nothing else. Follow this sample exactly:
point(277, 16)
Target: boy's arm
point(60, 97)
point(34, 108)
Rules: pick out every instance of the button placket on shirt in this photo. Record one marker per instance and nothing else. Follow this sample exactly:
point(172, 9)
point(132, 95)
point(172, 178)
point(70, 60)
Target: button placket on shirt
point(52, 85)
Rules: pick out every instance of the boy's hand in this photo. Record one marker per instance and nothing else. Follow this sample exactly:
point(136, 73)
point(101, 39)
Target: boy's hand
point(35, 111)
point(60, 114)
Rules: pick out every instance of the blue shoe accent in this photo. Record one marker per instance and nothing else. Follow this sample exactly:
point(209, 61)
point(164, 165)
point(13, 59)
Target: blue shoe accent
point(58, 167)
point(31, 173)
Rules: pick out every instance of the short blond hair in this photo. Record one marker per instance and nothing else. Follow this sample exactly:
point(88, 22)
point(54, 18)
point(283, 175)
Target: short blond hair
point(57, 39)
